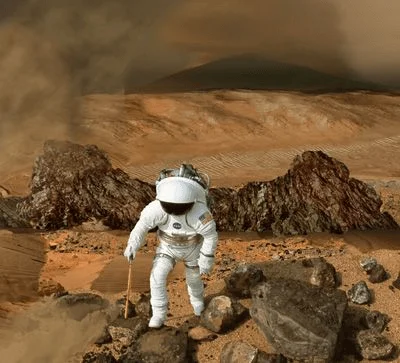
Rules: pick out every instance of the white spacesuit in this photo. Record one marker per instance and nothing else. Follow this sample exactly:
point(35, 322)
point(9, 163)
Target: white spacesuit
point(186, 232)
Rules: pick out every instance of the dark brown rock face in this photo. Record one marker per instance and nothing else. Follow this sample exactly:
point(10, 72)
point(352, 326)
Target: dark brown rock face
point(315, 195)
point(71, 183)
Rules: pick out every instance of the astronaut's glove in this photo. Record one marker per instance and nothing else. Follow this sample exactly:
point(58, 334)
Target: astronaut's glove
point(129, 252)
point(206, 263)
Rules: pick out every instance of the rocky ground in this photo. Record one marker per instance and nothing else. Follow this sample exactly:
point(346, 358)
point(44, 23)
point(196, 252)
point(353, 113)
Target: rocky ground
point(76, 261)
point(237, 137)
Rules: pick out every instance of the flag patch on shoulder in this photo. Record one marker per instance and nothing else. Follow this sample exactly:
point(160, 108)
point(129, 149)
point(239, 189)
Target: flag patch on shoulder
point(206, 217)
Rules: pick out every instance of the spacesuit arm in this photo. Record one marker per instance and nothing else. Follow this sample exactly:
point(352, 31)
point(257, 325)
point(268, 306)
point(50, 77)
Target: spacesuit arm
point(150, 217)
point(205, 226)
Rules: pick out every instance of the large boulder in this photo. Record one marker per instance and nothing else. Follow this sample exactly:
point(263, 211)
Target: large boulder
point(315, 195)
point(300, 320)
point(72, 183)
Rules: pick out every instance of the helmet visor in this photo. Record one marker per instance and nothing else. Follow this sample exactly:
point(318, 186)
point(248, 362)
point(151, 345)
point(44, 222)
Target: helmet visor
point(176, 208)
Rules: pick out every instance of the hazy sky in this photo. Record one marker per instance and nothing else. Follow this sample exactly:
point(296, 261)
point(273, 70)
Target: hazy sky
point(52, 51)
point(98, 40)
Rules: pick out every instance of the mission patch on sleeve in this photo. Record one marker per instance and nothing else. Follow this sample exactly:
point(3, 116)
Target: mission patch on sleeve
point(206, 217)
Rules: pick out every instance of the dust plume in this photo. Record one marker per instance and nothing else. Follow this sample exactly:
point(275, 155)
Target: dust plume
point(52, 53)
point(46, 333)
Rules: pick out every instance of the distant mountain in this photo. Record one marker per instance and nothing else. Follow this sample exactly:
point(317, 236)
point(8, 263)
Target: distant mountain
point(251, 72)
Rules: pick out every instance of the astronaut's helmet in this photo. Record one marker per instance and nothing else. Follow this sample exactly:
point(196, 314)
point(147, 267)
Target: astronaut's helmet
point(177, 194)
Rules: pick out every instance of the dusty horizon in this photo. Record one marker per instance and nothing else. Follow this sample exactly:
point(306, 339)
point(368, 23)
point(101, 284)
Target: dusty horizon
point(150, 40)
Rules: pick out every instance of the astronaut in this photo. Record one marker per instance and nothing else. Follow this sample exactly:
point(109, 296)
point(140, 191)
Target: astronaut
point(186, 232)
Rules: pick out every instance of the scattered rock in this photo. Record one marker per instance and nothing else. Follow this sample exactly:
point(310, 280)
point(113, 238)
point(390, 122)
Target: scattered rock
point(4, 193)
point(120, 305)
point(49, 287)
point(396, 283)
point(368, 263)
point(126, 331)
point(324, 274)
point(377, 274)
point(143, 306)
point(243, 352)
point(163, 345)
point(94, 225)
point(376, 321)
point(360, 293)
point(243, 278)
point(200, 333)
point(104, 338)
point(72, 183)
point(263, 357)
point(99, 357)
point(374, 345)
point(300, 320)
point(79, 305)
point(222, 313)
point(238, 352)
point(9, 214)
point(53, 245)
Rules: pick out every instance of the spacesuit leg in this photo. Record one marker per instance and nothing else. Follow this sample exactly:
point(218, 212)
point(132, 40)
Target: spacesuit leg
point(162, 266)
point(194, 282)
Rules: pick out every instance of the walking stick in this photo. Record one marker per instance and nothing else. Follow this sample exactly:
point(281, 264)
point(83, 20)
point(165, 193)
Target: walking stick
point(128, 290)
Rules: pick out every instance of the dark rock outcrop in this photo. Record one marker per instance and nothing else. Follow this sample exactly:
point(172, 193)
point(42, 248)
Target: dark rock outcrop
point(300, 320)
point(9, 215)
point(315, 195)
point(72, 183)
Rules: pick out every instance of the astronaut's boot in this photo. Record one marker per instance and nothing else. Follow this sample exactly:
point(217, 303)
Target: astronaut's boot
point(158, 317)
point(195, 289)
